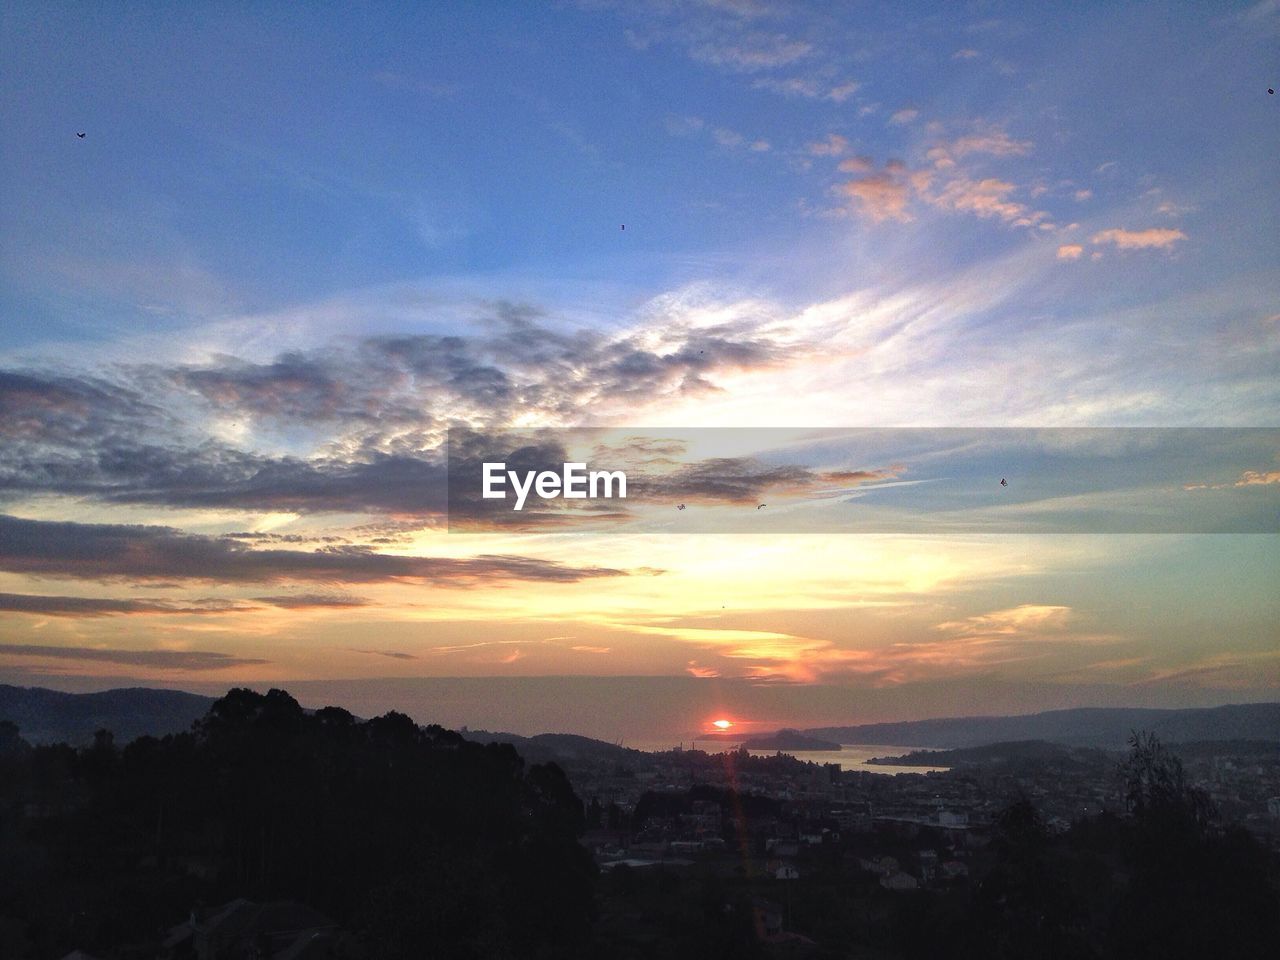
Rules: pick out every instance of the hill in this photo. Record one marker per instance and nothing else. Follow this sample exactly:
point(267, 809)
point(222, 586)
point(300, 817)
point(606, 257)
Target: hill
point(790, 741)
point(1015, 752)
point(51, 716)
point(1105, 727)
point(566, 749)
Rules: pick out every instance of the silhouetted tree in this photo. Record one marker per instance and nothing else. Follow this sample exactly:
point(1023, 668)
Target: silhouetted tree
point(418, 841)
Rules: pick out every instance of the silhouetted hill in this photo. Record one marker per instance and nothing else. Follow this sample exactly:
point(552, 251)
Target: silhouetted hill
point(789, 740)
point(51, 716)
point(1017, 751)
point(556, 747)
point(1104, 727)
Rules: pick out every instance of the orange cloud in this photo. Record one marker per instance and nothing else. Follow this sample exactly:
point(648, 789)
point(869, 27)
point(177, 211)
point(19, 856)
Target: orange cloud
point(1256, 478)
point(703, 673)
point(985, 198)
point(880, 196)
point(1153, 239)
point(856, 165)
point(1070, 251)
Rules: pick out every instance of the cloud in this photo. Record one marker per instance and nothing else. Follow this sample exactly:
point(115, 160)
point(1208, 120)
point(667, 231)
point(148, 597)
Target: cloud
point(833, 146)
point(100, 606)
point(743, 481)
point(1070, 251)
point(393, 654)
point(842, 92)
point(303, 601)
point(858, 164)
point(1029, 618)
point(754, 53)
point(879, 196)
point(1249, 478)
point(727, 138)
point(988, 140)
point(1257, 478)
point(987, 198)
point(119, 552)
point(790, 86)
point(655, 470)
point(192, 660)
point(972, 645)
point(380, 404)
point(810, 88)
point(1156, 238)
point(944, 184)
point(903, 116)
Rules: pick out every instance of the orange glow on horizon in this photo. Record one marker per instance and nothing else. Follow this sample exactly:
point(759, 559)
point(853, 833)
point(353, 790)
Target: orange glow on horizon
point(722, 724)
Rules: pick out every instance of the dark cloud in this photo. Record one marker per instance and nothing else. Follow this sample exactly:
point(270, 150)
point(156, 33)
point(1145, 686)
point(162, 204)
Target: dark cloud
point(66, 409)
point(119, 551)
point(120, 466)
point(654, 475)
point(300, 601)
point(164, 659)
point(62, 606)
point(99, 606)
point(376, 407)
point(743, 480)
point(393, 654)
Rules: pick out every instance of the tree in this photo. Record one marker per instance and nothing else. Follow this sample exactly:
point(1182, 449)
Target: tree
point(1156, 787)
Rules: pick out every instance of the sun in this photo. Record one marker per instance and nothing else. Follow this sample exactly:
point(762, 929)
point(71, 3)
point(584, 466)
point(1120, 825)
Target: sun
point(722, 724)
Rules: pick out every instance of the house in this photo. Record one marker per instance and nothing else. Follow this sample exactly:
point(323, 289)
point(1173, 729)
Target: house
point(899, 881)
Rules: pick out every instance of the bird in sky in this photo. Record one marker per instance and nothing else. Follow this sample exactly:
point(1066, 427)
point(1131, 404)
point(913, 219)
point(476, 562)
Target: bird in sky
point(80, 135)
point(1004, 482)
point(681, 507)
point(762, 506)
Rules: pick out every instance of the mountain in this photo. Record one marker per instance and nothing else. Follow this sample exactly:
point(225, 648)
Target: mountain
point(1019, 752)
point(561, 748)
point(1104, 727)
point(50, 716)
point(789, 741)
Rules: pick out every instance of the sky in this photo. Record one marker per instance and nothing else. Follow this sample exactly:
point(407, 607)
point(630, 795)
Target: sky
point(294, 248)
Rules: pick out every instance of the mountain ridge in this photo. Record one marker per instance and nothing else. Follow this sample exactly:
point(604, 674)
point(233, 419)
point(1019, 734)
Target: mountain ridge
point(1106, 727)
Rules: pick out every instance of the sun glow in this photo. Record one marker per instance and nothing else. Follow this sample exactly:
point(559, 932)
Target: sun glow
point(722, 724)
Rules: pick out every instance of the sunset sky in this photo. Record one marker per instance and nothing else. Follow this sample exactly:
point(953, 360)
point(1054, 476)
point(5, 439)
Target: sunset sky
point(238, 317)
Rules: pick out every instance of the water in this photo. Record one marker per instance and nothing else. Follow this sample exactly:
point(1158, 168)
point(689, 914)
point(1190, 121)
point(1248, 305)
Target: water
point(851, 756)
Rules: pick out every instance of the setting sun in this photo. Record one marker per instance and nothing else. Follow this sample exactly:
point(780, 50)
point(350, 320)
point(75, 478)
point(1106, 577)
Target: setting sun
point(722, 724)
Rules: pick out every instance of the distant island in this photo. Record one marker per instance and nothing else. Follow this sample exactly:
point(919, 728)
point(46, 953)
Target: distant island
point(790, 740)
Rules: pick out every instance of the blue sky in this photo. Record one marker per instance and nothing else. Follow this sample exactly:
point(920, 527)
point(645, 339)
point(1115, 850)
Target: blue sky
point(294, 243)
point(269, 156)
